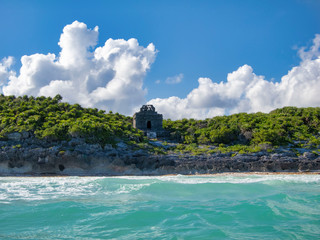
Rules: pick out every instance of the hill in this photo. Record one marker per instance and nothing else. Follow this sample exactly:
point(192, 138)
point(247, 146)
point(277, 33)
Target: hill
point(52, 120)
point(44, 136)
point(298, 127)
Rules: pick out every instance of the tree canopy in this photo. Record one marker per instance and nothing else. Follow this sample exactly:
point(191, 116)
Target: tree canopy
point(279, 127)
point(49, 118)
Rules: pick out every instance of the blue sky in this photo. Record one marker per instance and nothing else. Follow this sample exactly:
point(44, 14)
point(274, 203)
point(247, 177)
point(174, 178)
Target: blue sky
point(193, 39)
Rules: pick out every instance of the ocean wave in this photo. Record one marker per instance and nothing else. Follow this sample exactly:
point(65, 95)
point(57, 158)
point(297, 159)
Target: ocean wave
point(189, 207)
point(234, 178)
point(51, 188)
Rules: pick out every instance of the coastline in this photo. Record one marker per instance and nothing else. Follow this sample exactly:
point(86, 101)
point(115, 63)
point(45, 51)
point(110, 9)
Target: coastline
point(169, 175)
point(35, 157)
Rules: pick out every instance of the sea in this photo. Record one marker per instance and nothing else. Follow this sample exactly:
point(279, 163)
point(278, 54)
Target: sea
point(222, 206)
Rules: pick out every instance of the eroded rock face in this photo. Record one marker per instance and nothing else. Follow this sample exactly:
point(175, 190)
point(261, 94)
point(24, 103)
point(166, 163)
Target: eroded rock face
point(32, 156)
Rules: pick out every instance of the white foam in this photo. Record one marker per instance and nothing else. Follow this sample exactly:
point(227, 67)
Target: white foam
point(127, 188)
point(40, 188)
point(50, 188)
point(232, 178)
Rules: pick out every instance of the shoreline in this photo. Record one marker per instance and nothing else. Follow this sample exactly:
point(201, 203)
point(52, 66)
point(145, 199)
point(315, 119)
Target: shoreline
point(166, 175)
point(77, 158)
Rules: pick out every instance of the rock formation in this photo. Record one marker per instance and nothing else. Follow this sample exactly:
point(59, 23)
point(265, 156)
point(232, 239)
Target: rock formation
point(27, 155)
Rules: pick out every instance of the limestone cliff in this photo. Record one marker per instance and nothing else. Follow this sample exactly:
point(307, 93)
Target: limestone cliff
point(27, 155)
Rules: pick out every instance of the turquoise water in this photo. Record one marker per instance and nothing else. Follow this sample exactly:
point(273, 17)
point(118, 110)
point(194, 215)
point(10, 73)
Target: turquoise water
point(169, 207)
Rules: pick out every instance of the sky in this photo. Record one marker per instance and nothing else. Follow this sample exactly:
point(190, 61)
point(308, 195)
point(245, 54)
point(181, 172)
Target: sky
point(190, 59)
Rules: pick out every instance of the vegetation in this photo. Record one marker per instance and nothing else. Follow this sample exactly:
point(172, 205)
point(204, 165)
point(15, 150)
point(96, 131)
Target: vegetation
point(49, 118)
point(249, 132)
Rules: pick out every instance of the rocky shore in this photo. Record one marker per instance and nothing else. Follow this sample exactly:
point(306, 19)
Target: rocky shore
point(23, 154)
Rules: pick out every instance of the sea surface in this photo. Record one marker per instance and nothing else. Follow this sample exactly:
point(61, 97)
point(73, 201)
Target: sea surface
point(169, 207)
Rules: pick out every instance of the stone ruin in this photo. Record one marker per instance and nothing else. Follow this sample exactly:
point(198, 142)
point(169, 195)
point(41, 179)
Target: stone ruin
point(149, 121)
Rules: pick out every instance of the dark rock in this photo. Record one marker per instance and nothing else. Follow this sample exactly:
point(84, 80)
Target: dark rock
point(140, 153)
point(108, 147)
point(15, 136)
point(30, 155)
point(122, 146)
point(112, 153)
point(25, 134)
point(309, 155)
point(76, 141)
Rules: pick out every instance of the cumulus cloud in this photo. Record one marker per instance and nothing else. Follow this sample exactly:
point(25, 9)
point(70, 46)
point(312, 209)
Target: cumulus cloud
point(175, 79)
point(313, 52)
point(244, 91)
point(177, 108)
point(111, 77)
point(108, 77)
point(5, 73)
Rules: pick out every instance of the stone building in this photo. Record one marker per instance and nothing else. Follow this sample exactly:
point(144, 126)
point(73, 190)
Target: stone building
point(149, 121)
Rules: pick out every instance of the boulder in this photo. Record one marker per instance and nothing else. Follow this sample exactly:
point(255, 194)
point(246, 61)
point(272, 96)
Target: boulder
point(15, 136)
point(151, 135)
point(122, 146)
point(88, 148)
point(309, 155)
point(76, 141)
point(140, 153)
point(108, 147)
point(25, 134)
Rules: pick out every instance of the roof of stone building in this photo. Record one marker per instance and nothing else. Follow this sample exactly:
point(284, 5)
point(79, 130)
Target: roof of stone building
point(147, 109)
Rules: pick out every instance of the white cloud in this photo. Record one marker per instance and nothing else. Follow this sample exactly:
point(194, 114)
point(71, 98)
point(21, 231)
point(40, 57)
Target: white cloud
point(5, 73)
point(175, 79)
point(108, 77)
point(111, 77)
point(244, 91)
point(313, 52)
point(177, 108)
